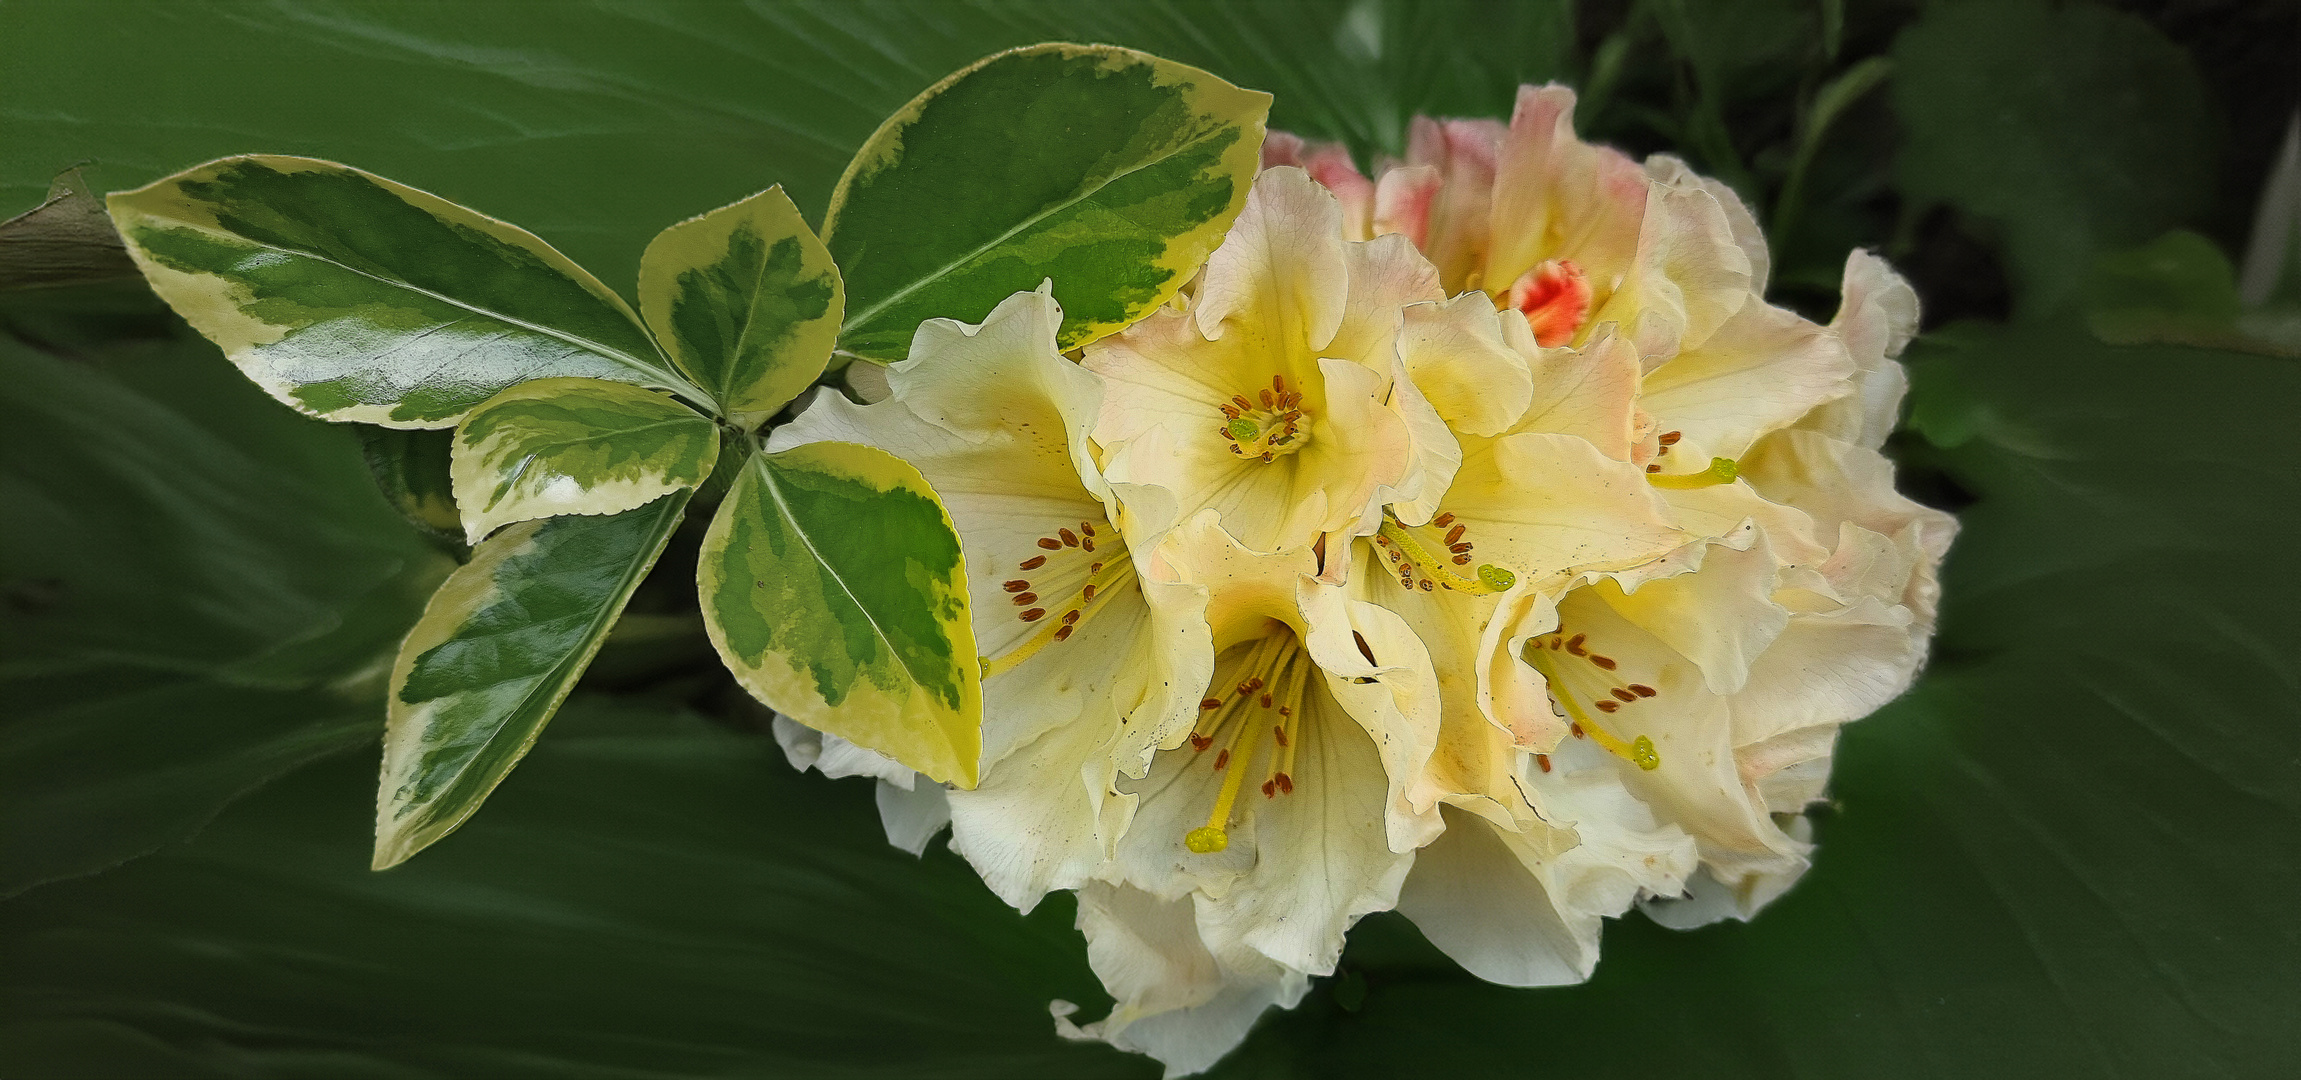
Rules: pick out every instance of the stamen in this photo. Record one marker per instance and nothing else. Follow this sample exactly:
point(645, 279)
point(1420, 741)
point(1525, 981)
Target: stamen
point(1639, 751)
point(1433, 568)
point(1034, 562)
point(1721, 471)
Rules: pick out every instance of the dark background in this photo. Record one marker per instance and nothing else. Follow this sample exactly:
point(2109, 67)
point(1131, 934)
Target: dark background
point(2072, 850)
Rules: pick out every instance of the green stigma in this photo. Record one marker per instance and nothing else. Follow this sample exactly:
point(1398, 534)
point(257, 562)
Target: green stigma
point(1495, 577)
point(1208, 840)
point(1244, 430)
point(1643, 755)
point(1721, 471)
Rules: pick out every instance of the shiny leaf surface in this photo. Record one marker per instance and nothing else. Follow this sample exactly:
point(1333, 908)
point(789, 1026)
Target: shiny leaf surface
point(574, 446)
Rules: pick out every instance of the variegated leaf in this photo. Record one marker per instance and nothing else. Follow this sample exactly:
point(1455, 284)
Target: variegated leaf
point(354, 298)
point(833, 586)
point(1112, 172)
point(575, 446)
point(746, 301)
point(497, 649)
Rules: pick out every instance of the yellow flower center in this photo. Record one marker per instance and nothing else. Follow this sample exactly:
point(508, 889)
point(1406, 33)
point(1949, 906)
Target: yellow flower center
point(1268, 425)
point(1424, 557)
point(1074, 576)
point(1264, 708)
point(1577, 675)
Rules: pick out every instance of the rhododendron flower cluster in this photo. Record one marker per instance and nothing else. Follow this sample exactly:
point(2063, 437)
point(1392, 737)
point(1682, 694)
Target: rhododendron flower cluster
point(1473, 540)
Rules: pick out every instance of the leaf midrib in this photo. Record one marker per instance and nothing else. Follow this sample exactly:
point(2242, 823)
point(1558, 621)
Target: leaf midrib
point(948, 268)
point(676, 384)
point(776, 492)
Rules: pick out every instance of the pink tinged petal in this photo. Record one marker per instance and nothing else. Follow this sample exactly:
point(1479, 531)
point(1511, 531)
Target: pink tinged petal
point(1876, 318)
point(1330, 165)
point(1589, 392)
point(1464, 153)
point(1402, 202)
point(1751, 239)
point(1282, 148)
point(1556, 197)
point(1689, 276)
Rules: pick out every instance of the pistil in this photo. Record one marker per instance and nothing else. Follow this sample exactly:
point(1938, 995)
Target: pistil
point(1265, 705)
point(1414, 553)
point(1552, 654)
point(1108, 572)
point(1268, 425)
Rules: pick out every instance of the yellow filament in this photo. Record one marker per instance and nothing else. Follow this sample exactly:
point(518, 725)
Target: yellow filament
point(1490, 579)
point(1114, 573)
point(1721, 471)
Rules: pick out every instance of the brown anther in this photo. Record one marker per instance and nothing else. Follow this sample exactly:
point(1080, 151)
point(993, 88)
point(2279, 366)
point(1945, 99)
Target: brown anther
point(1267, 400)
point(1086, 543)
point(1222, 759)
point(1269, 788)
point(1280, 732)
point(1427, 586)
point(1228, 413)
point(1278, 383)
point(1255, 683)
point(1382, 540)
point(1606, 662)
point(1462, 560)
point(1642, 690)
point(1576, 729)
point(1243, 403)
point(1086, 528)
point(1653, 468)
point(1623, 694)
point(1554, 644)
point(1026, 599)
point(1209, 703)
point(1609, 706)
point(1268, 457)
point(1459, 549)
point(1062, 632)
point(1034, 562)
point(1574, 644)
point(1087, 593)
point(1266, 701)
point(1050, 543)
point(1670, 438)
point(1070, 617)
point(1443, 520)
point(1454, 535)
point(1285, 784)
point(1543, 760)
point(1285, 710)
point(1094, 568)
point(1200, 742)
point(1016, 585)
point(1034, 615)
point(1070, 539)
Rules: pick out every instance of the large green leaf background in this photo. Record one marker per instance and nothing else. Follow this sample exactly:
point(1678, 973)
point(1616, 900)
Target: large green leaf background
point(2071, 851)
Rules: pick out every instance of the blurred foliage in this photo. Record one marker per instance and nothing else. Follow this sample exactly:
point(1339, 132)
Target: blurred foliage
point(2066, 853)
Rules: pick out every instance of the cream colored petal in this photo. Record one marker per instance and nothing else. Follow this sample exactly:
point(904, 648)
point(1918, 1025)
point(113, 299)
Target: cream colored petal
point(1761, 371)
point(1379, 673)
point(1688, 277)
point(1876, 318)
point(1720, 509)
point(1721, 616)
point(1176, 1001)
point(1590, 392)
point(1456, 353)
point(912, 816)
point(1434, 455)
point(1836, 482)
point(834, 757)
point(1828, 669)
point(1046, 815)
point(1707, 900)
point(1673, 171)
point(1278, 280)
point(1385, 275)
point(1545, 504)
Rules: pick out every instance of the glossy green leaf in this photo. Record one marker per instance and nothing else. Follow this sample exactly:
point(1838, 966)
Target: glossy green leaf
point(411, 468)
point(199, 590)
point(746, 301)
point(575, 446)
point(354, 298)
point(498, 648)
point(1111, 172)
point(832, 585)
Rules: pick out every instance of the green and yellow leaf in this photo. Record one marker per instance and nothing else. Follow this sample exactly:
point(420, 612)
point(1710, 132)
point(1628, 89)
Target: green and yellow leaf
point(746, 301)
point(833, 586)
point(1112, 172)
point(354, 298)
point(575, 446)
point(496, 651)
